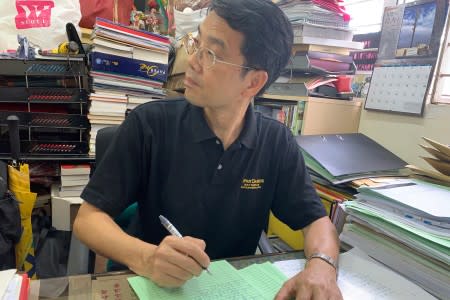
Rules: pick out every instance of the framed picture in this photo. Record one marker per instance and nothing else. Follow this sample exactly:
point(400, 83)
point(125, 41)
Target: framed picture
point(416, 30)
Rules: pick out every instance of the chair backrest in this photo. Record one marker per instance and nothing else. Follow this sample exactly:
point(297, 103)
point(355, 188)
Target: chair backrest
point(102, 141)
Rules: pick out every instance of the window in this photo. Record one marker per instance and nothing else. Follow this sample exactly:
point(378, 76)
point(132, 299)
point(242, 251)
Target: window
point(442, 91)
point(366, 15)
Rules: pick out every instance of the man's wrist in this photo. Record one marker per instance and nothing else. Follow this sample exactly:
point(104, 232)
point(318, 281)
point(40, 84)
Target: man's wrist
point(324, 258)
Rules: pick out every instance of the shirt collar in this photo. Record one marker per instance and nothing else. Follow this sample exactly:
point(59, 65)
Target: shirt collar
point(202, 132)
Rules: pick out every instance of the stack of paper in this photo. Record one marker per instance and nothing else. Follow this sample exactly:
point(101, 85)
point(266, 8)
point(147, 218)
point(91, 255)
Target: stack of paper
point(406, 226)
point(440, 162)
point(258, 281)
point(322, 43)
point(359, 278)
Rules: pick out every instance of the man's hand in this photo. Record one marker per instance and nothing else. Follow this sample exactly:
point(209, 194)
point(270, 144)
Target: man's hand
point(174, 261)
point(316, 281)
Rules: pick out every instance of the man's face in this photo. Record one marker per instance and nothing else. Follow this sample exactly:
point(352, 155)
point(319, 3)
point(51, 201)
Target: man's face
point(220, 85)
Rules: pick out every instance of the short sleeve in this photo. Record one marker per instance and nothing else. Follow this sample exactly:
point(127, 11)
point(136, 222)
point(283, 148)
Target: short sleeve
point(296, 202)
point(118, 179)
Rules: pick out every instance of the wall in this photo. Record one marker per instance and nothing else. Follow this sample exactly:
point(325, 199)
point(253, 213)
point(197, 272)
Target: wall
point(401, 134)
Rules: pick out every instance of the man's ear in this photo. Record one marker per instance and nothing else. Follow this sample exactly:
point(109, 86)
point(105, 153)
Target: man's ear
point(256, 80)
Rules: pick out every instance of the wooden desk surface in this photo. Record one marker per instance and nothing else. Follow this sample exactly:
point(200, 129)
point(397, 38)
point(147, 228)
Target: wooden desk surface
point(111, 284)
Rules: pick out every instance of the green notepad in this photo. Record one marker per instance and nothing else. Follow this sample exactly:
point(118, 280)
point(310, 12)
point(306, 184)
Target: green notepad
point(255, 282)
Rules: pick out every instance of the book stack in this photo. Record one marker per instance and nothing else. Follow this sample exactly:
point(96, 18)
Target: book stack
point(405, 226)
point(321, 63)
point(440, 163)
point(128, 67)
point(73, 180)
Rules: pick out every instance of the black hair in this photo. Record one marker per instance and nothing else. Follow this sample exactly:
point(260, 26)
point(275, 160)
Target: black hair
point(267, 33)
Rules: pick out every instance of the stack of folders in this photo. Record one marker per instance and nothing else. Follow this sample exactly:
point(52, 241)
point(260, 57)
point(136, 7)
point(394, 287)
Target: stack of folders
point(335, 162)
point(405, 226)
point(440, 162)
point(321, 51)
point(128, 68)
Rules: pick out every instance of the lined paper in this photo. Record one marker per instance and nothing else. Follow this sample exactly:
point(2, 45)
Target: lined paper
point(255, 282)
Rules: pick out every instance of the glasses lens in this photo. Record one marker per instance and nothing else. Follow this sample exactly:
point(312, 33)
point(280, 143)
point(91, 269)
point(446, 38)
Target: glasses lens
point(190, 45)
point(206, 57)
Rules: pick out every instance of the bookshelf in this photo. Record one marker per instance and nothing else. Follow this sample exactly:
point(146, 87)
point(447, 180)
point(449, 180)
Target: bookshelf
point(313, 115)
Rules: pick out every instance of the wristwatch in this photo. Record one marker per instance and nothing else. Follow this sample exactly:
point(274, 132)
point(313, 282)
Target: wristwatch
point(325, 258)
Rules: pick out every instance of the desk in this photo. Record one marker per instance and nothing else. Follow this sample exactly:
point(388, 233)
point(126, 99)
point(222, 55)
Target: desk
point(80, 287)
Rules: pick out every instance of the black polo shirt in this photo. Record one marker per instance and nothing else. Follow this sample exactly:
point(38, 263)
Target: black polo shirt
point(165, 157)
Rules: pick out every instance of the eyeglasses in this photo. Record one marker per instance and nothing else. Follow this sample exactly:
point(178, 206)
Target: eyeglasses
point(205, 56)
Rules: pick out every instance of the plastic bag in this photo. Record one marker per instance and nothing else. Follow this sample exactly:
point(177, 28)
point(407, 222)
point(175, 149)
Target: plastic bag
point(188, 14)
point(43, 22)
point(180, 5)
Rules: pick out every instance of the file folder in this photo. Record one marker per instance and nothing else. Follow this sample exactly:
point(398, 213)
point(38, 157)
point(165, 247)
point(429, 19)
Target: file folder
point(345, 157)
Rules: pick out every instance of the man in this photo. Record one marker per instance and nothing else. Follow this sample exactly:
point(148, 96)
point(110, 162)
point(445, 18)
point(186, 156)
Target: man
point(211, 165)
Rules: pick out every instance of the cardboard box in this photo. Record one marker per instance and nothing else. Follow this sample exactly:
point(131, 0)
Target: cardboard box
point(180, 63)
point(176, 83)
point(64, 210)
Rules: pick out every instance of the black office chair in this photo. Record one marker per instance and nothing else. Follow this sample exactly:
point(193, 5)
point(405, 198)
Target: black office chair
point(102, 140)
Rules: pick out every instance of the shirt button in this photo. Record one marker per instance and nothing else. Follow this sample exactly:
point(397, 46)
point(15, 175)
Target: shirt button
point(219, 167)
point(217, 142)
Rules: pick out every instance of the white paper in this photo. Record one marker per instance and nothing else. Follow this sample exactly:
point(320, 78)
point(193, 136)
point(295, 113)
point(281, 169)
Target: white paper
point(13, 290)
point(362, 278)
point(5, 278)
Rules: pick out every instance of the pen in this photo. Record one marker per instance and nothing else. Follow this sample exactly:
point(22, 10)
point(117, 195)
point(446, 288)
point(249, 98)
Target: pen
point(173, 231)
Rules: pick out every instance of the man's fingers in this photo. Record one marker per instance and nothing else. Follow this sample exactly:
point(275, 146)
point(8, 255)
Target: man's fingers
point(173, 270)
point(200, 243)
point(287, 291)
point(185, 262)
point(191, 248)
point(167, 281)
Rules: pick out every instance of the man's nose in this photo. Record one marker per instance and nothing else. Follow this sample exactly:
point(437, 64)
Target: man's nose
point(193, 62)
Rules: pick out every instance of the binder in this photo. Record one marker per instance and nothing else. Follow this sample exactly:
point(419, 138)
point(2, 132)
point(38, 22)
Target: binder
point(322, 63)
point(345, 157)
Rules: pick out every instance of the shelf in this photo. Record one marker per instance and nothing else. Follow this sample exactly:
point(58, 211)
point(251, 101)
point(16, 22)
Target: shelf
point(75, 158)
point(42, 148)
point(43, 95)
point(50, 98)
point(283, 98)
point(365, 50)
point(46, 120)
point(13, 67)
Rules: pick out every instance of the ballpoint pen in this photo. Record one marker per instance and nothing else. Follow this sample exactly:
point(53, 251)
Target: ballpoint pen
point(173, 231)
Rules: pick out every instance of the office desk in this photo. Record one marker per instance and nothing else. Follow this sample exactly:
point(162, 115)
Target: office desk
point(82, 287)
